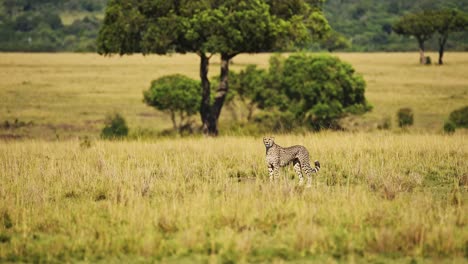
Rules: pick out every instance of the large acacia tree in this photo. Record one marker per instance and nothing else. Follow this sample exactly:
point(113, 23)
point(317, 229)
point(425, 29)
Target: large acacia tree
point(445, 22)
point(208, 27)
point(420, 25)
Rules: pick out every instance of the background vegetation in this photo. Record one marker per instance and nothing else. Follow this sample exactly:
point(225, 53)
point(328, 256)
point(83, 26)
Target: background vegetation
point(28, 25)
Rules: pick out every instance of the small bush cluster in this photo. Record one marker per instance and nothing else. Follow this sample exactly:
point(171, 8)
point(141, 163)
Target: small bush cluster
point(405, 117)
point(115, 127)
point(457, 119)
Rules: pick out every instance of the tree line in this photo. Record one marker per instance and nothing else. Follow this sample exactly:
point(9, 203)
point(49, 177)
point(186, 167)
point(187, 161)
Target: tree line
point(424, 25)
point(358, 25)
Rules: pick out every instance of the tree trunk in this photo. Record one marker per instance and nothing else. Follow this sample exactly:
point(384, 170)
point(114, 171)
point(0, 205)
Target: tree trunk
point(442, 41)
point(210, 113)
point(422, 58)
point(221, 93)
point(205, 107)
point(173, 119)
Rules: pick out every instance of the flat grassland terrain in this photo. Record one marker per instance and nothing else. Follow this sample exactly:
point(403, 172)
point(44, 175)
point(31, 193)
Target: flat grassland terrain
point(66, 95)
point(381, 196)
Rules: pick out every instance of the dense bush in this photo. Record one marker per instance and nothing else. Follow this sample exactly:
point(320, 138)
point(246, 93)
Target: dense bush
point(176, 94)
point(247, 86)
point(405, 117)
point(314, 91)
point(449, 127)
point(115, 127)
point(460, 117)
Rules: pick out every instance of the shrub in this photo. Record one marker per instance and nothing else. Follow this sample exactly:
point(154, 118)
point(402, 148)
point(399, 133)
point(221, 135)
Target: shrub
point(316, 90)
point(115, 127)
point(428, 60)
point(247, 86)
point(449, 126)
point(405, 117)
point(460, 117)
point(176, 94)
point(385, 124)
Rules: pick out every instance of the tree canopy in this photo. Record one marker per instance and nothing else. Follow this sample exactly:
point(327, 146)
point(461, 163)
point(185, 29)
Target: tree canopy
point(423, 25)
point(445, 22)
point(418, 25)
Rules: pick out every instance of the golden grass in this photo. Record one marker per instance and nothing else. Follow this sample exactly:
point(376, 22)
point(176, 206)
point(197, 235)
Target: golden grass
point(378, 197)
point(70, 94)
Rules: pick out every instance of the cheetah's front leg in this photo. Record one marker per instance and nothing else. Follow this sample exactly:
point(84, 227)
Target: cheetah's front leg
point(271, 171)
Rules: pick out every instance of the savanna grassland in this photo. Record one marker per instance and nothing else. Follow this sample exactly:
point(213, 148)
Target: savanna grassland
point(381, 196)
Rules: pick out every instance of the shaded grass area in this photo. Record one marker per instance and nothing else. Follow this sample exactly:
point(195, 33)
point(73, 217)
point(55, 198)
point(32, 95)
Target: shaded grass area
point(59, 91)
point(379, 197)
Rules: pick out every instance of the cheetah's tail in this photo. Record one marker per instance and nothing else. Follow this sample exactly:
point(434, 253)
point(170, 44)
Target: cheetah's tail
point(317, 166)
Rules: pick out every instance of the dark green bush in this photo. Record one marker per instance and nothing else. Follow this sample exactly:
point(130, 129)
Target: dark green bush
point(115, 127)
point(428, 60)
point(405, 117)
point(449, 127)
point(316, 90)
point(460, 117)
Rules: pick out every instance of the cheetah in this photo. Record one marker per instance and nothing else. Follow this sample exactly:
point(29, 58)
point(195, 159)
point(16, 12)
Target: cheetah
point(277, 156)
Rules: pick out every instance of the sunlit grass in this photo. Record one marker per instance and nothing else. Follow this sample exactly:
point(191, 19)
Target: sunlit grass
point(379, 196)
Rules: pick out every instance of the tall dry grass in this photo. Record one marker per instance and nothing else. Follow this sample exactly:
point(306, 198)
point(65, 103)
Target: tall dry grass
point(378, 197)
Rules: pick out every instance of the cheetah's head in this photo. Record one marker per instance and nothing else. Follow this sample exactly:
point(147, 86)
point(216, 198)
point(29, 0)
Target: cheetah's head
point(268, 141)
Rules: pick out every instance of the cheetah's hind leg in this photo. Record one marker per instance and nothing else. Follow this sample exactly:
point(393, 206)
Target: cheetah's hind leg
point(297, 168)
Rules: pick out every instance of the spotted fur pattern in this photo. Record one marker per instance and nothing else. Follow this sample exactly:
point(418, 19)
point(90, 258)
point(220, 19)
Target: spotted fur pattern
point(277, 156)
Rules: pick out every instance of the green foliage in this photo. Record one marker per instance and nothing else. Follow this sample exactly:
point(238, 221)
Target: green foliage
point(428, 60)
point(309, 90)
point(449, 127)
point(335, 41)
point(37, 25)
point(115, 127)
point(176, 94)
point(368, 24)
point(226, 27)
point(405, 117)
point(460, 117)
point(248, 86)
point(418, 25)
point(318, 89)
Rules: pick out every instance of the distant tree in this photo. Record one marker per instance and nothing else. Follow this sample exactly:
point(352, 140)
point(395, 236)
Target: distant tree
point(208, 27)
point(420, 25)
point(445, 22)
point(176, 94)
